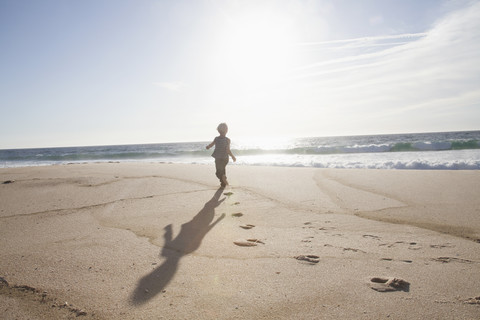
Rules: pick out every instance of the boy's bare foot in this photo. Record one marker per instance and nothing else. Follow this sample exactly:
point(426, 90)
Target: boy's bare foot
point(224, 180)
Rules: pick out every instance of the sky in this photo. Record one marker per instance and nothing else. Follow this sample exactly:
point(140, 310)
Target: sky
point(103, 72)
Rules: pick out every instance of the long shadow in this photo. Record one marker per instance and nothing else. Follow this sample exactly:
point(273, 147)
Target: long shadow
point(187, 241)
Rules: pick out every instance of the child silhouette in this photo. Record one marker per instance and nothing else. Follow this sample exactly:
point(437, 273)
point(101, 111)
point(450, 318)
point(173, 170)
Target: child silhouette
point(221, 153)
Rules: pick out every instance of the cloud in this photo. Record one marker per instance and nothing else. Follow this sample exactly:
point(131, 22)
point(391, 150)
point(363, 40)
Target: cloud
point(441, 62)
point(347, 54)
point(366, 40)
point(421, 76)
point(171, 86)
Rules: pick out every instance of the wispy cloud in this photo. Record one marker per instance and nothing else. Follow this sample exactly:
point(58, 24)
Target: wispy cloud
point(170, 86)
point(366, 40)
point(340, 56)
point(448, 52)
point(420, 76)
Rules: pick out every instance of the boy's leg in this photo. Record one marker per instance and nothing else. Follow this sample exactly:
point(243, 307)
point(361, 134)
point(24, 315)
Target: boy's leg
point(220, 165)
point(223, 179)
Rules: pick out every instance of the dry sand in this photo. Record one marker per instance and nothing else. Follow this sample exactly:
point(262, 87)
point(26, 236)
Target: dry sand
point(157, 241)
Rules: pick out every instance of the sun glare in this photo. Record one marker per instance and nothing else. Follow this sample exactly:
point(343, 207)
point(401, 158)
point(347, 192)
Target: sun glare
point(256, 46)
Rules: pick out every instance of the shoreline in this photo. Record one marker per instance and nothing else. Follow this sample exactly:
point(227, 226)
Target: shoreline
point(129, 239)
point(450, 160)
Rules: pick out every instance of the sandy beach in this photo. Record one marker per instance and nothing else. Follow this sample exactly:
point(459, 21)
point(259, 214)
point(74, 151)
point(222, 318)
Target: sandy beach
point(163, 241)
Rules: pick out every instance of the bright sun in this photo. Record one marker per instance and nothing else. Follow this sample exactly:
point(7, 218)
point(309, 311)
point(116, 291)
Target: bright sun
point(251, 63)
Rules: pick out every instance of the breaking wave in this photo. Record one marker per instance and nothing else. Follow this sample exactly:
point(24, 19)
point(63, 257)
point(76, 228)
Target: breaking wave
point(447, 150)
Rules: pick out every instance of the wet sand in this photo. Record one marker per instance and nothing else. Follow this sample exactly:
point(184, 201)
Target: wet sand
point(153, 241)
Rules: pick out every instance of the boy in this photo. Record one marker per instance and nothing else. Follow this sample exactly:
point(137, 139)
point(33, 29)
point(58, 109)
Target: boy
point(221, 153)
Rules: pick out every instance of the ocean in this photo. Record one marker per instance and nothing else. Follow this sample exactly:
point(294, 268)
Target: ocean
point(420, 151)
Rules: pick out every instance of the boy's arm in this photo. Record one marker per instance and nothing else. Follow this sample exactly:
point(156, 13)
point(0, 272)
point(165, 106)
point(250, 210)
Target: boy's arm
point(210, 145)
point(230, 152)
point(231, 155)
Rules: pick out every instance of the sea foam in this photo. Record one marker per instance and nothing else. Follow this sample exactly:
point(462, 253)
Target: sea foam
point(421, 151)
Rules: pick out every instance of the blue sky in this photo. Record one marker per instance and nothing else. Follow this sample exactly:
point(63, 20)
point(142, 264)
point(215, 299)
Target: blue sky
point(99, 72)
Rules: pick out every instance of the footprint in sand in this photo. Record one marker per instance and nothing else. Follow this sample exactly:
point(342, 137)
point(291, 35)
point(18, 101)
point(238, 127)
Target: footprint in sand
point(310, 259)
point(248, 242)
point(441, 246)
point(371, 236)
point(414, 246)
point(450, 259)
point(390, 259)
point(308, 239)
point(326, 228)
point(243, 243)
point(411, 245)
point(475, 300)
point(388, 284)
point(247, 226)
point(353, 249)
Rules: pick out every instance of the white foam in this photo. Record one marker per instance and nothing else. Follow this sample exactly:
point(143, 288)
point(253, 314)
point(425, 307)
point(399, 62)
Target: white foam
point(440, 160)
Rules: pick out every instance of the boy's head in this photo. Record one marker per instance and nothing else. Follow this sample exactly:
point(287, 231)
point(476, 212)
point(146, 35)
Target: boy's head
point(222, 128)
